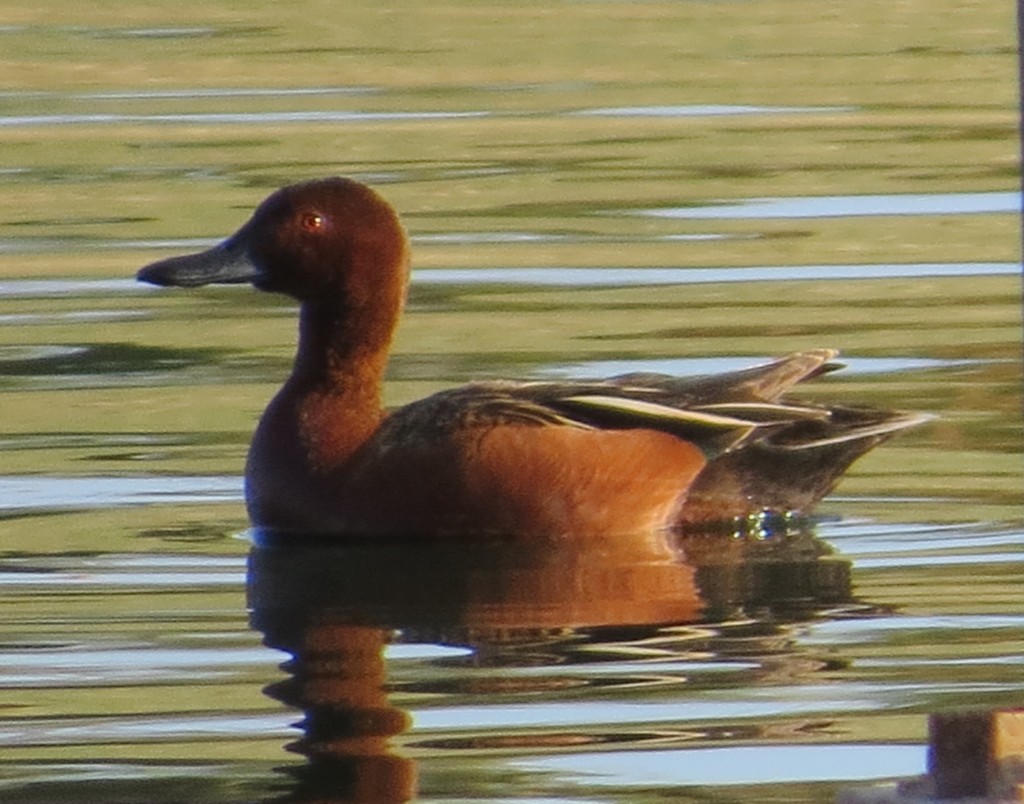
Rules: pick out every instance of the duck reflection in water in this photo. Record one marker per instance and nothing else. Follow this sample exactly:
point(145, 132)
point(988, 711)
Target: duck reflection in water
point(336, 607)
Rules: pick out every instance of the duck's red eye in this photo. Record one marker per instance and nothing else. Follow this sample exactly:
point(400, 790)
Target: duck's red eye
point(312, 222)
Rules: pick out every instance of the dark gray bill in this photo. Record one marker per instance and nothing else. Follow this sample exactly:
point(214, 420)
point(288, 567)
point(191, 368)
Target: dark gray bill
point(228, 262)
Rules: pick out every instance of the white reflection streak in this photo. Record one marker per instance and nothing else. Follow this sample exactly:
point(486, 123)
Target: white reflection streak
point(765, 764)
point(102, 730)
point(841, 206)
point(607, 713)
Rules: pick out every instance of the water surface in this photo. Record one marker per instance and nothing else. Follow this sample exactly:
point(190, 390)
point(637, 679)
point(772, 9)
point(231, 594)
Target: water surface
point(590, 189)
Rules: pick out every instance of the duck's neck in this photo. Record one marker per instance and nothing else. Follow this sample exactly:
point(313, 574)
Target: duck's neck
point(342, 352)
point(337, 378)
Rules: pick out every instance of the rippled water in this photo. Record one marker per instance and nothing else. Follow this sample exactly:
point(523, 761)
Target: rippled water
point(590, 188)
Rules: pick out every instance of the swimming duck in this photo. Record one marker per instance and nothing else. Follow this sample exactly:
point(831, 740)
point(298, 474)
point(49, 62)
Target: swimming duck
point(635, 453)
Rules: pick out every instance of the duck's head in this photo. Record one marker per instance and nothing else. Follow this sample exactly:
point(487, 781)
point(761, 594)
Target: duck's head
point(330, 241)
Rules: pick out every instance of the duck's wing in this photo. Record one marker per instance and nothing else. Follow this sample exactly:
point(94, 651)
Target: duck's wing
point(767, 382)
point(719, 413)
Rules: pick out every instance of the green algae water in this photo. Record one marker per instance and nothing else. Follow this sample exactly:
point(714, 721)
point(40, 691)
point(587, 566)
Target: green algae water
point(590, 188)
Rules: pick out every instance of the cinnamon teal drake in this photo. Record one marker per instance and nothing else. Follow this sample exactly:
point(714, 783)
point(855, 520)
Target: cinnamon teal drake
point(637, 452)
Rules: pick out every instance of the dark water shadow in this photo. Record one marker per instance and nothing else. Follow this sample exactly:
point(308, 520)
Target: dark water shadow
point(336, 608)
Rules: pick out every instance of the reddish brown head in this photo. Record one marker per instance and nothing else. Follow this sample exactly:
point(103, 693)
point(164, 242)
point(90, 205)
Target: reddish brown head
point(330, 242)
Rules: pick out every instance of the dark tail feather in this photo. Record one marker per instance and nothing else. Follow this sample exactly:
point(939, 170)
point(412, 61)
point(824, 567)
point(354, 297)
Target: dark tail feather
point(792, 469)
